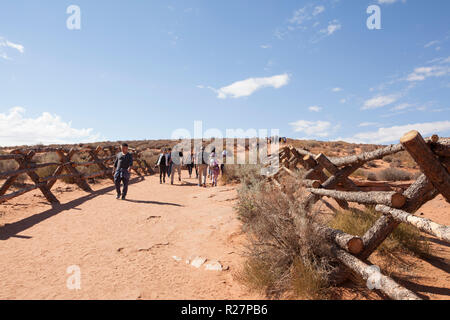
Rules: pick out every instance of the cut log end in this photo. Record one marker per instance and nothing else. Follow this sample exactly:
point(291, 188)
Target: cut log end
point(410, 136)
point(316, 184)
point(355, 246)
point(398, 200)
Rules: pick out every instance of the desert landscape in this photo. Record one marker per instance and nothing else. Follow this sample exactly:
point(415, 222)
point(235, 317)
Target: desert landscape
point(184, 242)
point(225, 158)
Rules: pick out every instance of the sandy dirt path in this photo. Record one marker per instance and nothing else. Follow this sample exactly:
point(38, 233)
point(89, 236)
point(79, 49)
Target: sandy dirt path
point(125, 249)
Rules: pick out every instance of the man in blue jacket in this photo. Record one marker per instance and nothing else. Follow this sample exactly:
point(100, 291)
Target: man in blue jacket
point(121, 171)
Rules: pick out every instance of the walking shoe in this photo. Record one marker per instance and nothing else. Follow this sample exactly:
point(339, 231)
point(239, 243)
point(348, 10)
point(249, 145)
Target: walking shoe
point(123, 198)
point(118, 197)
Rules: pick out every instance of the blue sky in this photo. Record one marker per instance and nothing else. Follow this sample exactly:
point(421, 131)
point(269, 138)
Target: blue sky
point(142, 69)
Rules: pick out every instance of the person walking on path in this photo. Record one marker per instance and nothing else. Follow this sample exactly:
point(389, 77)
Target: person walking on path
point(212, 155)
point(169, 168)
point(195, 161)
point(224, 160)
point(202, 164)
point(121, 171)
point(189, 161)
point(215, 170)
point(163, 163)
point(177, 161)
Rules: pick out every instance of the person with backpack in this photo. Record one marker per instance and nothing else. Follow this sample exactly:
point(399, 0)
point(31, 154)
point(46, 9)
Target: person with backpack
point(121, 171)
point(163, 164)
point(202, 164)
point(215, 170)
point(177, 162)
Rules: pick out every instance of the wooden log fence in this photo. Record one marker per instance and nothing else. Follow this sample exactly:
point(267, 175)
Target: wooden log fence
point(66, 168)
point(330, 177)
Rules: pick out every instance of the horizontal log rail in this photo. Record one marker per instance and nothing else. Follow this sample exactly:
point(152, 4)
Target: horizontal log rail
point(426, 225)
point(381, 282)
point(390, 198)
point(10, 156)
point(20, 192)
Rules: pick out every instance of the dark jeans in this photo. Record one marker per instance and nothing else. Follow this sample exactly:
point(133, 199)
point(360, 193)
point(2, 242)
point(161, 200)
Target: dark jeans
point(190, 167)
point(122, 175)
point(169, 170)
point(162, 173)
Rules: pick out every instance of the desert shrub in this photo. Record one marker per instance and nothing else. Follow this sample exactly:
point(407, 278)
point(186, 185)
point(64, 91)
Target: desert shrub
point(8, 165)
point(283, 258)
point(359, 174)
point(395, 163)
point(372, 176)
point(388, 159)
point(416, 175)
point(372, 164)
point(50, 157)
point(393, 174)
point(247, 174)
point(405, 238)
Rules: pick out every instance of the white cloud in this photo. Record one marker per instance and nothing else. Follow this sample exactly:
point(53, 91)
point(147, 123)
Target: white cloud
point(318, 10)
point(333, 26)
point(4, 43)
point(423, 73)
point(247, 87)
point(401, 106)
point(16, 46)
point(9, 44)
point(343, 100)
point(390, 1)
point(336, 89)
point(379, 101)
point(312, 128)
point(299, 16)
point(315, 109)
point(16, 129)
point(3, 55)
point(266, 46)
point(368, 124)
point(393, 134)
point(431, 43)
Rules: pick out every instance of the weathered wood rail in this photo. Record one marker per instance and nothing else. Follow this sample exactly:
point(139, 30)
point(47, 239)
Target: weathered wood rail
point(432, 155)
point(102, 157)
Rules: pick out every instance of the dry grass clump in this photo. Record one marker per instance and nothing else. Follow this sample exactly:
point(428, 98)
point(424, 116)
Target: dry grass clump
point(285, 257)
point(393, 174)
point(10, 165)
point(7, 165)
point(247, 174)
point(360, 173)
point(405, 238)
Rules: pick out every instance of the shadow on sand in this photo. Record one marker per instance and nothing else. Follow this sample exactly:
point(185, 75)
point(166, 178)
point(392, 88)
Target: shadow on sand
point(13, 229)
